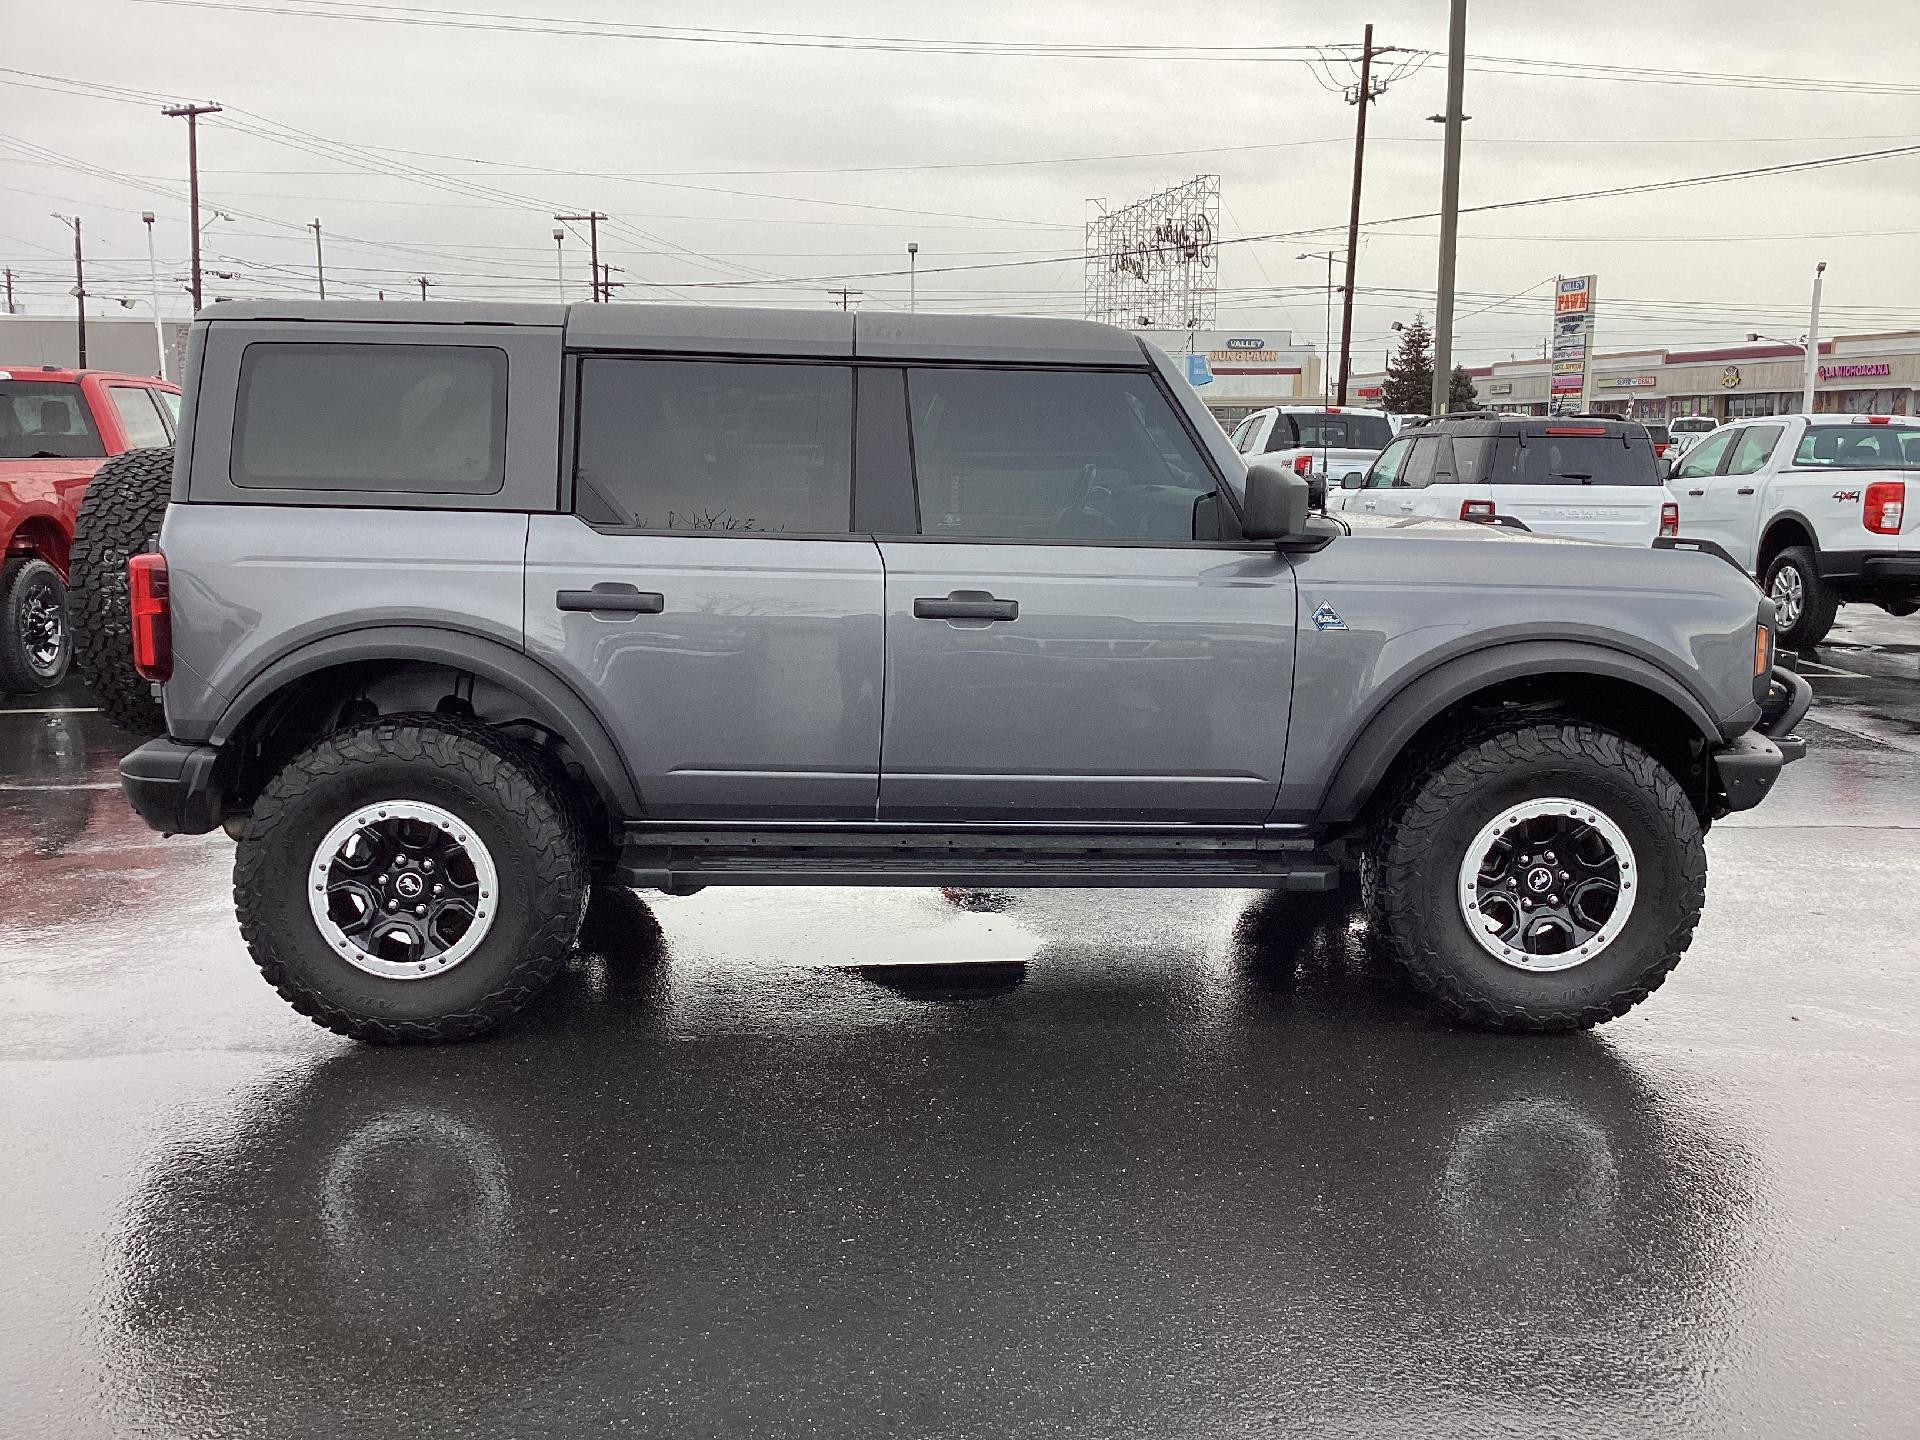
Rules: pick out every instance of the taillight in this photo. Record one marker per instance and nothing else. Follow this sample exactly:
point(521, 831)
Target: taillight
point(1669, 519)
point(1885, 507)
point(1302, 464)
point(152, 617)
point(1477, 510)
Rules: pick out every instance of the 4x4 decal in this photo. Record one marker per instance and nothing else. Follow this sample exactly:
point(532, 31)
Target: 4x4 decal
point(1846, 494)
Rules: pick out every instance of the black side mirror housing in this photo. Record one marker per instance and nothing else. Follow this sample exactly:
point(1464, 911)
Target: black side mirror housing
point(1277, 503)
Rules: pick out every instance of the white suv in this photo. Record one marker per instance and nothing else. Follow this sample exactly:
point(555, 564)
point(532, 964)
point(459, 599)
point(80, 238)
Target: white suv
point(1590, 477)
point(1329, 441)
point(1814, 507)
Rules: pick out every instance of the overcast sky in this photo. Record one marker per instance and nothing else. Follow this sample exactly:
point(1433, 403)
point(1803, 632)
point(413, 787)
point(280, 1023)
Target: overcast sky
point(722, 162)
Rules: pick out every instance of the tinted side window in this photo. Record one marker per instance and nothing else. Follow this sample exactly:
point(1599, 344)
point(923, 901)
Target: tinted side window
point(48, 419)
point(423, 419)
point(138, 418)
point(1051, 455)
point(1756, 444)
point(1858, 447)
point(717, 445)
point(1418, 471)
point(1472, 455)
point(1282, 436)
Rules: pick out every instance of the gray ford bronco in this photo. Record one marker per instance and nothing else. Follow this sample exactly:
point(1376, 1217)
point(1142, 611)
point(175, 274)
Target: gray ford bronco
point(460, 610)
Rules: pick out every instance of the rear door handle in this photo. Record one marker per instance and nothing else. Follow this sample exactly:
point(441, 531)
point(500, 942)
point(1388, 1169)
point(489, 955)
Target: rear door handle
point(965, 605)
point(1696, 492)
point(613, 599)
point(1744, 490)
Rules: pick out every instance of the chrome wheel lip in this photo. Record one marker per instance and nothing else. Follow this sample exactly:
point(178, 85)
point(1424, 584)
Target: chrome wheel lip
point(1560, 807)
point(1788, 593)
point(461, 833)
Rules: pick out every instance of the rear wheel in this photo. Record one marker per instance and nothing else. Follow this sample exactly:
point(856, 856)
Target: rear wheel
point(36, 644)
point(1545, 877)
point(1803, 605)
point(411, 880)
point(120, 517)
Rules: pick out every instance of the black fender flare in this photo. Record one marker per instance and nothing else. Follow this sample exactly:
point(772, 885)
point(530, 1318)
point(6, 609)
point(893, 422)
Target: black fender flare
point(550, 699)
point(1792, 517)
point(1388, 731)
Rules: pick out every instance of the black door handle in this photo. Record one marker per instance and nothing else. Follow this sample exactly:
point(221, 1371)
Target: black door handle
point(614, 599)
point(1696, 492)
point(965, 605)
point(1744, 490)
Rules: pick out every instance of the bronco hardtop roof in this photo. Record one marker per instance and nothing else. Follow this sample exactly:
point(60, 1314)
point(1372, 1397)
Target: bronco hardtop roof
point(730, 330)
point(1498, 422)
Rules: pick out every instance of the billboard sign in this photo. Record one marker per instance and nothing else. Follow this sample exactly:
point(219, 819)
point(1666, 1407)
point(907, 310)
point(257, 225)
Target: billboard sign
point(1572, 346)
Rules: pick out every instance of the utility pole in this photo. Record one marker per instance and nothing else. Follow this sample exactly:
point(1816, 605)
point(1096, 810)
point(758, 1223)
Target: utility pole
point(10, 309)
point(422, 281)
point(1360, 97)
point(79, 286)
point(1813, 343)
point(847, 297)
point(1449, 207)
point(592, 219)
point(319, 259)
point(608, 284)
point(913, 276)
point(560, 261)
point(153, 297)
point(191, 114)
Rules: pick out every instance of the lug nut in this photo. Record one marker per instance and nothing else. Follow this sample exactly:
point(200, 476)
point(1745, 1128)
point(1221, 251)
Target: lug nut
point(438, 888)
point(393, 904)
point(426, 864)
point(1553, 899)
point(1548, 857)
point(419, 909)
point(1563, 877)
point(1525, 904)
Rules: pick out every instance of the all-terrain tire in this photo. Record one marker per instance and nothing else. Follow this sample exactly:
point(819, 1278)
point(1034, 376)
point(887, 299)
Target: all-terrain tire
point(492, 786)
point(1413, 870)
point(36, 629)
point(119, 518)
point(1819, 606)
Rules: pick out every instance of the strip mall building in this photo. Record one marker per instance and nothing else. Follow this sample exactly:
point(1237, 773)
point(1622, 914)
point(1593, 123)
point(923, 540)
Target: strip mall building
point(1858, 375)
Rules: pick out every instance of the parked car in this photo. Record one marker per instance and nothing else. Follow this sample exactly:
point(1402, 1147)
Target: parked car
point(1324, 441)
point(1661, 437)
point(56, 428)
point(558, 607)
point(1815, 507)
point(1589, 477)
point(1691, 425)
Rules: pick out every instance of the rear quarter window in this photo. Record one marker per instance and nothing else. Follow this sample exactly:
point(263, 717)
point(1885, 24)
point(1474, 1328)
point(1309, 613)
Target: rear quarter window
point(1860, 447)
point(1544, 457)
point(420, 419)
point(46, 420)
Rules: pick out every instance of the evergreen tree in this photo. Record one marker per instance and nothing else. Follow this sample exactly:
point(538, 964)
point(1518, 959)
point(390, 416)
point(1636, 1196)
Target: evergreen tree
point(1461, 394)
point(1409, 385)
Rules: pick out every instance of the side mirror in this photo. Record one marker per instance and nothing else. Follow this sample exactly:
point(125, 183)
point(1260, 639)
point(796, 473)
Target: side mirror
point(1316, 492)
point(1352, 480)
point(1277, 503)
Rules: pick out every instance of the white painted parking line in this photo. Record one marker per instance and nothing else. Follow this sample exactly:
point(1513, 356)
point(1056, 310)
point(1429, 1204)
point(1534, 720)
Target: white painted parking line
point(84, 785)
point(53, 710)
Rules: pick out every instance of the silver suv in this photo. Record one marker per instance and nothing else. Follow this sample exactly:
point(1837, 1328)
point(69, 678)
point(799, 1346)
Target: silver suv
point(458, 610)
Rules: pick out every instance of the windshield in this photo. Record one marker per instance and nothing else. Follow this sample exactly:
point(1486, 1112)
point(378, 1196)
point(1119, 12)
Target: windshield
point(1860, 447)
point(1332, 432)
point(1546, 458)
point(46, 420)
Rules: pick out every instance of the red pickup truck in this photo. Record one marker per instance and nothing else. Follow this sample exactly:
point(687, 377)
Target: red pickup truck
point(56, 429)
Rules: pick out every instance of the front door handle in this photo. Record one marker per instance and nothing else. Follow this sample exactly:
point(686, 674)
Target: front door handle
point(613, 599)
point(1744, 490)
point(965, 605)
point(1696, 492)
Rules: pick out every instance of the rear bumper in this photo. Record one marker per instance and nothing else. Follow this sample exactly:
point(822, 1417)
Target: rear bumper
point(1871, 574)
point(172, 786)
point(1744, 769)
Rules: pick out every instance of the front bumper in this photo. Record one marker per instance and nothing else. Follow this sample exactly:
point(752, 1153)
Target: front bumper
point(1745, 768)
point(173, 786)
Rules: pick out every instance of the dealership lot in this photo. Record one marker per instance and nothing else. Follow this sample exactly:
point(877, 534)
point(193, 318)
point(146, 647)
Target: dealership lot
point(1172, 1163)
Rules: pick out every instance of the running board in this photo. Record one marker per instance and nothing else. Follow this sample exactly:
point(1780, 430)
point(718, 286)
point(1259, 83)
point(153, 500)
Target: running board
point(668, 856)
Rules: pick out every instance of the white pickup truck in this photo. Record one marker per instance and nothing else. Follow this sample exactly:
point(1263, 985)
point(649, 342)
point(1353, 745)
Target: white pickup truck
point(1330, 441)
point(1815, 507)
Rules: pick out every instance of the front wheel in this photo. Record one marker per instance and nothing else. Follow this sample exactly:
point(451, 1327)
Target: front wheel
point(1543, 877)
point(36, 644)
point(410, 880)
point(1804, 606)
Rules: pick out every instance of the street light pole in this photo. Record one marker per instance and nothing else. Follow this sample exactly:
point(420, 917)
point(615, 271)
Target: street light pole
point(319, 259)
point(1813, 343)
point(560, 261)
point(1449, 207)
point(1329, 256)
point(153, 297)
point(913, 275)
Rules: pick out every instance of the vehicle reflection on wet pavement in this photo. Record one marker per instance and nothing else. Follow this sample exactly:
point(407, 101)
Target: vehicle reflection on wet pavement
point(776, 1162)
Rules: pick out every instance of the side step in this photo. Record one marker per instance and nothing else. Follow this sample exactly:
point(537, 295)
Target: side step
point(669, 856)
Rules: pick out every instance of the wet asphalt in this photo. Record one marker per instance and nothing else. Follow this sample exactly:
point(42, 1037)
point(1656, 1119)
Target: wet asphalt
point(1173, 1164)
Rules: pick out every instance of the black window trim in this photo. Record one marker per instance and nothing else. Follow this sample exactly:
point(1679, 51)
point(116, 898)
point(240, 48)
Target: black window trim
point(265, 491)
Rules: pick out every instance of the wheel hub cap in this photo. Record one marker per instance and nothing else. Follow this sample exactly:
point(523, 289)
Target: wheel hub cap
point(403, 890)
point(1547, 884)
